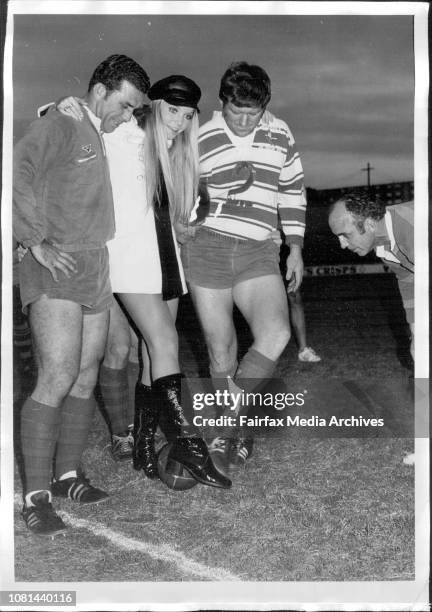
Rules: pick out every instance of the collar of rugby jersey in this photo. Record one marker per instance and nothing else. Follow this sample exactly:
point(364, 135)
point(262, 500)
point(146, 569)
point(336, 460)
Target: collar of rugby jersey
point(217, 116)
point(95, 120)
point(385, 241)
point(382, 237)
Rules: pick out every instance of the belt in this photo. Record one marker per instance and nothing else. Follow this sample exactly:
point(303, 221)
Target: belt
point(215, 235)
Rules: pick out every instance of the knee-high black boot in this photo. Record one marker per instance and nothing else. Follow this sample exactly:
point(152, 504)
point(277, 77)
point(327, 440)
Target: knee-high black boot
point(187, 448)
point(145, 424)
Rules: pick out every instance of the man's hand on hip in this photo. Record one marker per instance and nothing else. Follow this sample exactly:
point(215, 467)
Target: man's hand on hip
point(53, 259)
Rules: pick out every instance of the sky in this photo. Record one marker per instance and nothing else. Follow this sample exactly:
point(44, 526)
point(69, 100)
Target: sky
point(343, 83)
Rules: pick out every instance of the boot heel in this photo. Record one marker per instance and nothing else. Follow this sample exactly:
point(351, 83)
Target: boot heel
point(191, 452)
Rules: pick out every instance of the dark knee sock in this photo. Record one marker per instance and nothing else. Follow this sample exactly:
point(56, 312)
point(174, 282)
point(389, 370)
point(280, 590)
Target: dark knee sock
point(39, 432)
point(114, 387)
point(133, 370)
point(253, 370)
point(76, 422)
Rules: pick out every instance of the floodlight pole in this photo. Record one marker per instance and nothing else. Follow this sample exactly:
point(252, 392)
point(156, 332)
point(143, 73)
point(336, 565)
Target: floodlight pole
point(368, 170)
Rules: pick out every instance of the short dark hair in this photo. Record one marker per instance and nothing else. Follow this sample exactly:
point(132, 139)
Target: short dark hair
point(117, 68)
point(362, 205)
point(245, 84)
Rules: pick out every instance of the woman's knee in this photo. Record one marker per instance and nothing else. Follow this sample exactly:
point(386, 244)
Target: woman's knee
point(163, 341)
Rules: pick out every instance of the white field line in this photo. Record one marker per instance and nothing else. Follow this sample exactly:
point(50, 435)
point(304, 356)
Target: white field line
point(161, 552)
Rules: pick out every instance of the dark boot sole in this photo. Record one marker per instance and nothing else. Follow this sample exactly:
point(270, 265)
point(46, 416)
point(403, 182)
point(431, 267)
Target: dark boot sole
point(170, 470)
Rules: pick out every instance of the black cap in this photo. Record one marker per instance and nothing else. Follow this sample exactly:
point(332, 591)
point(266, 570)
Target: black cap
point(176, 89)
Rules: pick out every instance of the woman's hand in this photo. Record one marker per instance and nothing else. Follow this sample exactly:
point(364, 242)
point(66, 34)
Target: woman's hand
point(183, 232)
point(21, 251)
point(71, 107)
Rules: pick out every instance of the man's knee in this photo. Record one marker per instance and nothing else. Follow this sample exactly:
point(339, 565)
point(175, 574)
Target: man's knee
point(221, 354)
point(117, 354)
point(280, 336)
point(57, 378)
point(86, 380)
point(273, 338)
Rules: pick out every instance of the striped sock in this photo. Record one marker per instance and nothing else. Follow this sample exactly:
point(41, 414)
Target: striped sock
point(253, 371)
point(77, 418)
point(40, 426)
point(114, 387)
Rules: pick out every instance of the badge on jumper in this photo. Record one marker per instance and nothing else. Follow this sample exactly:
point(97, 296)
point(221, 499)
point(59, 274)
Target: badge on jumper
point(87, 148)
point(245, 171)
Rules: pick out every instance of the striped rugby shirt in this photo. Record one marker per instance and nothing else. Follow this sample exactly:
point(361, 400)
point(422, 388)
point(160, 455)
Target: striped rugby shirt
point(252, 179)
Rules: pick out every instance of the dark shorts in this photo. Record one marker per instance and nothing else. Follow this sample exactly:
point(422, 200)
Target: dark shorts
point(218, 262)
point(90, 286)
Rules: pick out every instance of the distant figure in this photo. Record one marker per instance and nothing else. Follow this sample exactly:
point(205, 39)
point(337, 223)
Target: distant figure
point(363, 224)
point(297, 318)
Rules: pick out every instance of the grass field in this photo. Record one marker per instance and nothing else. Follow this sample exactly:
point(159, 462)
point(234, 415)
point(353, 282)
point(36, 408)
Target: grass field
point(305, 508)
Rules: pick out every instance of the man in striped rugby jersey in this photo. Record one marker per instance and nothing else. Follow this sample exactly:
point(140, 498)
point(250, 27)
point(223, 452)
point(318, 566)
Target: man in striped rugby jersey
point(254, 177)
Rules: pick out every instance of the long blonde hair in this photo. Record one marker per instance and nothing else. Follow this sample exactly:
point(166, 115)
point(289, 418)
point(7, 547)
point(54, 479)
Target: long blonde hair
point(178, 164)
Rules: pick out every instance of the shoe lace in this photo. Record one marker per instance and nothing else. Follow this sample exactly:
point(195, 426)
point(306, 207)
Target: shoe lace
point(121, 443)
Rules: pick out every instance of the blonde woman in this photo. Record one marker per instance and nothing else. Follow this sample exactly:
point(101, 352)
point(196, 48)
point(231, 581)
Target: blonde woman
point(146, 271)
